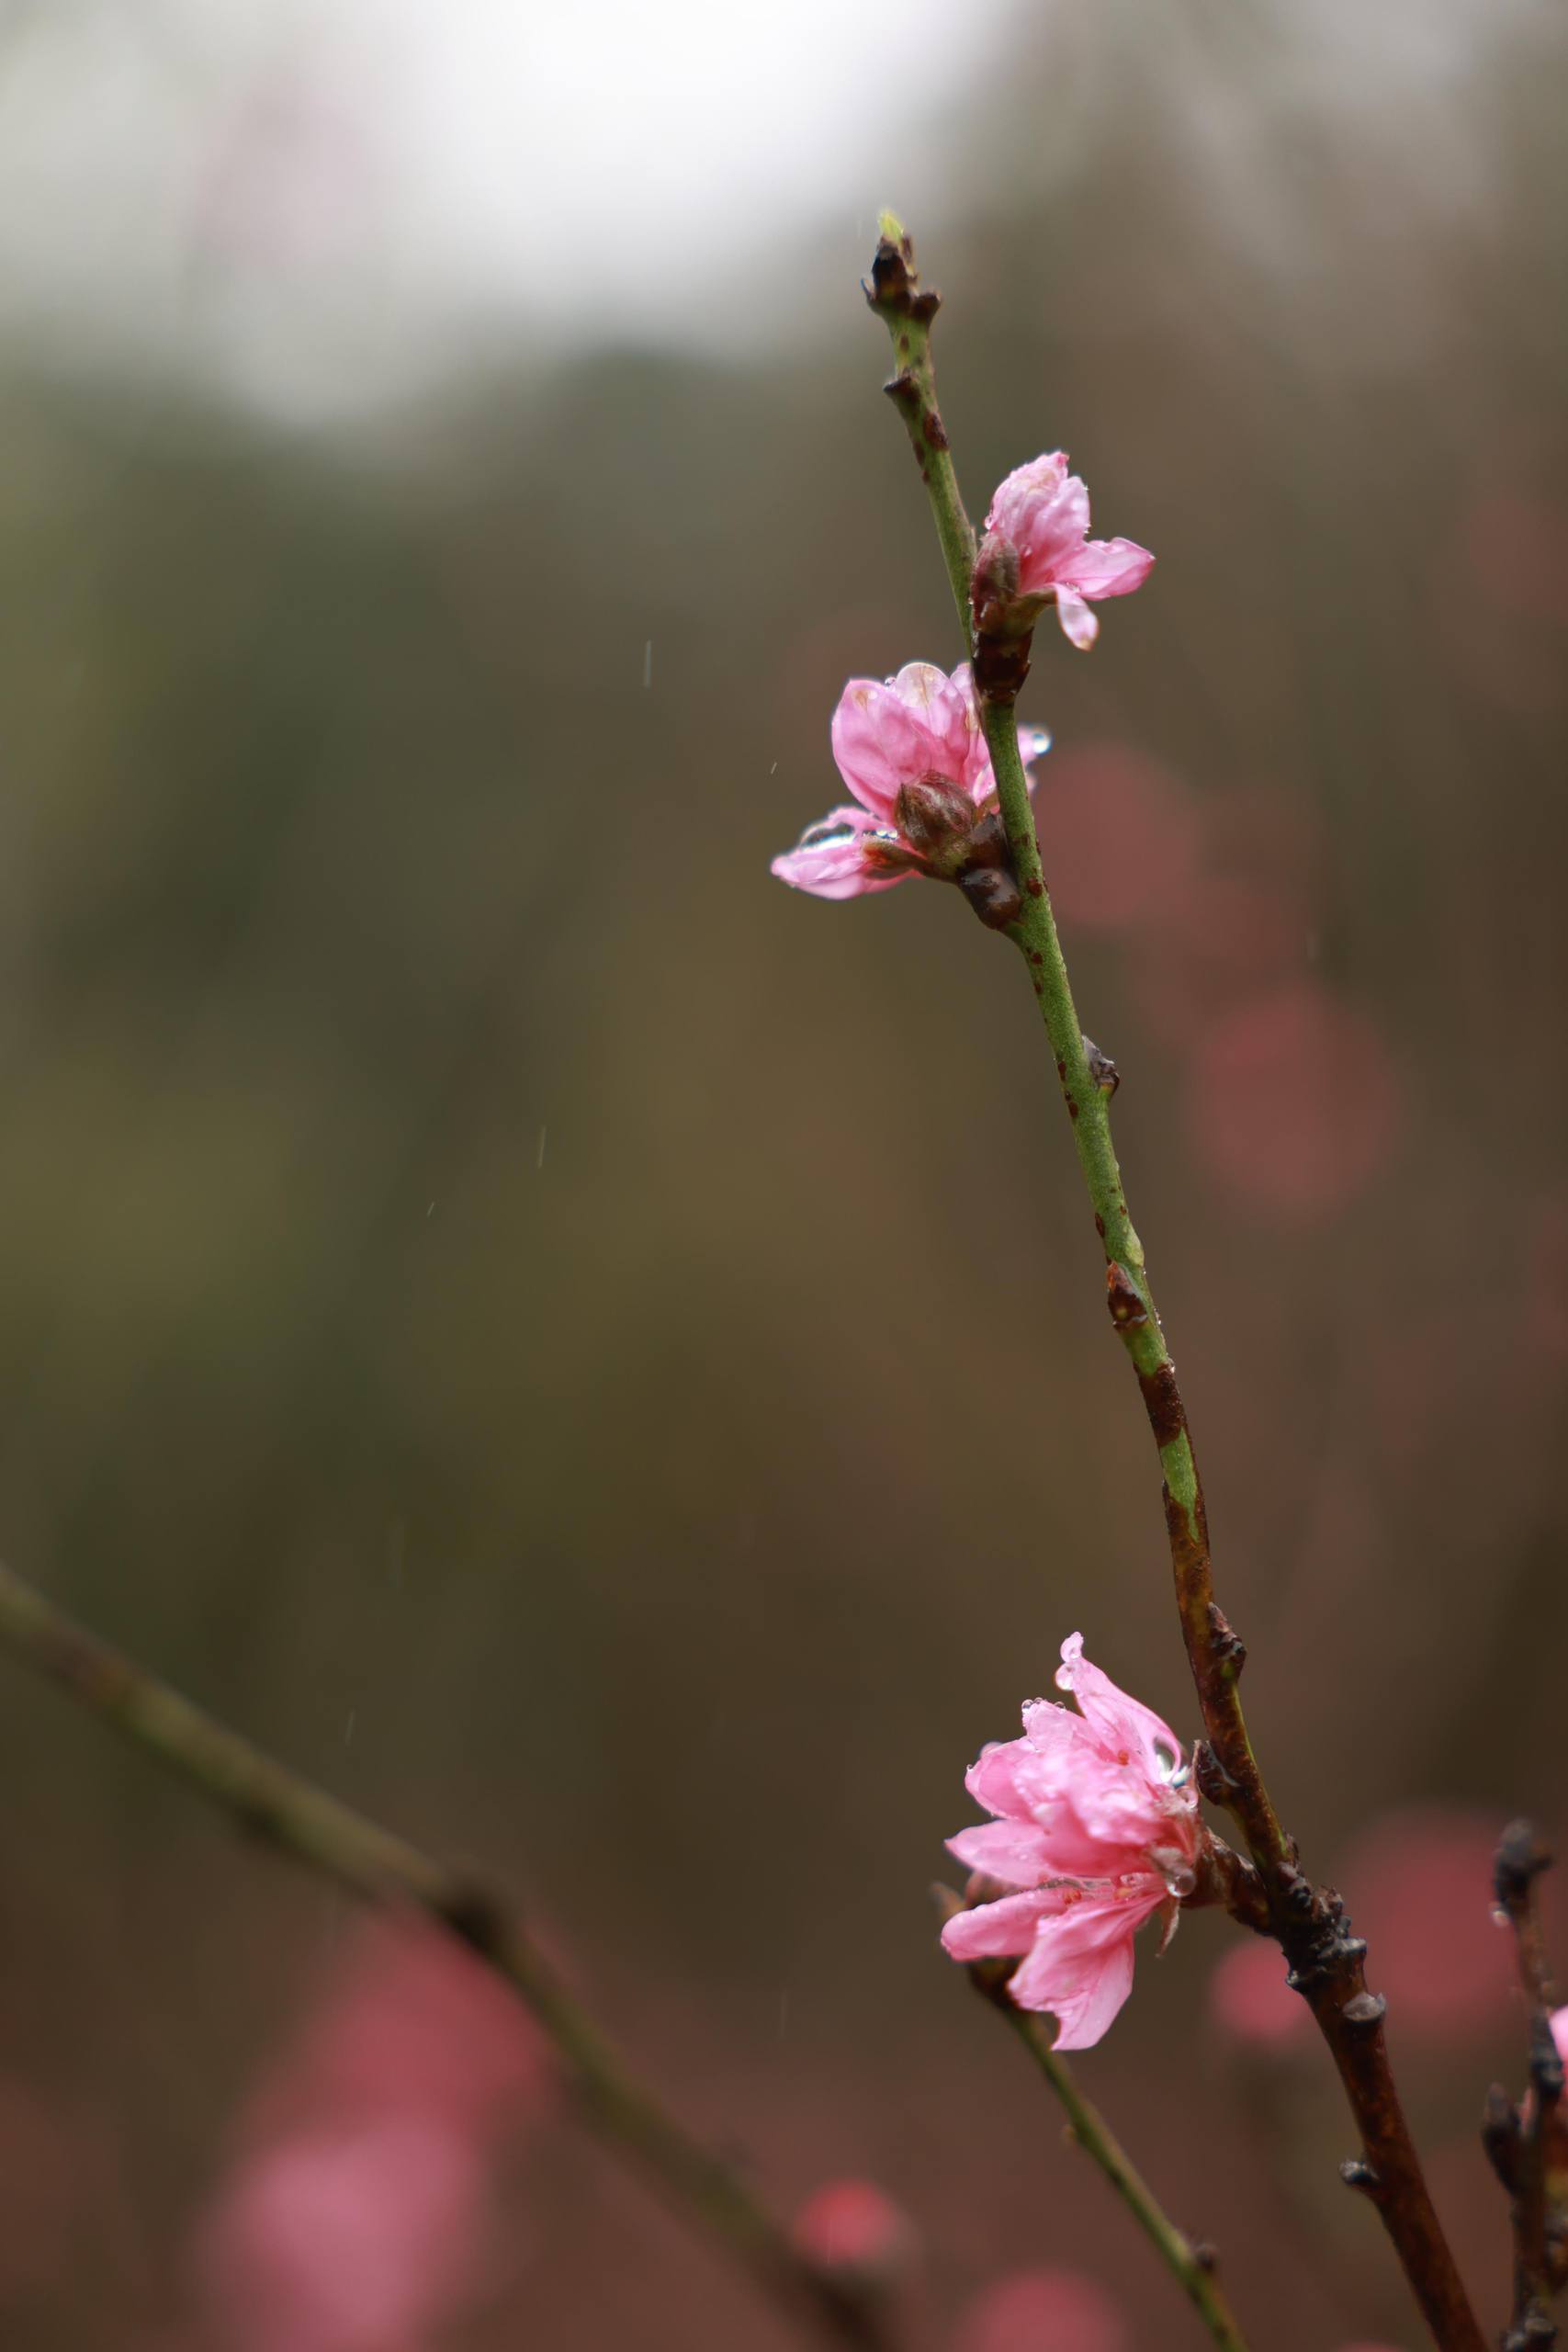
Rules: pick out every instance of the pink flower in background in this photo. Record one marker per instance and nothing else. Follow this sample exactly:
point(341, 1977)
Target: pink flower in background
point(1420, 1883)
point(410, 2019)
point(1560, 2032)
point(911, 751)
point(1037, 551)
point(358, 2214)
point(1293, 1102)
point(851, 2226)
point(1043, 2311)
point(1122, 838)
point(353, 2238)
point(1097, 1825)
point(1250, 2001)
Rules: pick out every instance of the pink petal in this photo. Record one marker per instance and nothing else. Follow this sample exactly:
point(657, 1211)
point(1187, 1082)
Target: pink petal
point(879, 743)
point(1024, 491)
point(1080, 1966)
point(944, 705)
point(1107, 568)
point(1080, 625)
point(1043, 2311)
point(1014, 1852)
point(920, 723)
point(828, 860)
point(1560, 2033)
point(1106, 1824)
point(957, 743)
point(998, 1930)
point(1011, 1779)
point(1123, 1727)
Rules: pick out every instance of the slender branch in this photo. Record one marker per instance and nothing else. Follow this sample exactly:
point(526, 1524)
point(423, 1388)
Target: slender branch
point(268, 1800)
point(1309, 1923)
point(1194, 2267)
point(1527, 2143)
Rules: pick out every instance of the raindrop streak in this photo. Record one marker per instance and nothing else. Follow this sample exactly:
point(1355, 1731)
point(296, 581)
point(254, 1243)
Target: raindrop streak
point(647, 663)
point(348, 1730)
point(539, 1155)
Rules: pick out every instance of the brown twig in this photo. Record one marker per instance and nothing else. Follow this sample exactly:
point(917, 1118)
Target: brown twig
point(269, 1802)
point(1529, 2144)
point(1325, 1960)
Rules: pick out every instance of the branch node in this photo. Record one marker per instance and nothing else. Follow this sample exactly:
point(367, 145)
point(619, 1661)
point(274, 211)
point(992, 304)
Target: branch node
point(1101, 1068)
point(1123, 1299)
point(475, 1915)
point(1214, 1783)
point(1500, 2132)
point(1226, 1642)
point(1521, 1859)
point(1357, 2173)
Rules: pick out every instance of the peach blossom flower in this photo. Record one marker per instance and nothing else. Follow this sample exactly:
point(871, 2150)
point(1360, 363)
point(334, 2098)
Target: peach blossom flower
point(854, 2228)
point(1097, 1827)
point(358, 2214)
point(911, 752)
point(1044, 2310)
point(1037, 551)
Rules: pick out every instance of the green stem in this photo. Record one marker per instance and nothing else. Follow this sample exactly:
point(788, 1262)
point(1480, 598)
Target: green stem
point(266, 1799)
point(1193, 2266)
point(1326, 1960)
point(895, 294)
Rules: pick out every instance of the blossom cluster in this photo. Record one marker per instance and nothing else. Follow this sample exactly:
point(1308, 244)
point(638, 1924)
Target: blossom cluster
point(1095, 1830)
point(912, 749)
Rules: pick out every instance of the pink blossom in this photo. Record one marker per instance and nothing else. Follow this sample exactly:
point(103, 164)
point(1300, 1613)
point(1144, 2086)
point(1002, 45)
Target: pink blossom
point(1251, 2000)
point(851, 2226)
point(358, 2214)
point(356, 2238)
point(1037, 549)
point(1423, 1879)
point(1097, 1827)
point(1560, 2032)
point(1043, 2311)
point(1294, 1101)
point(912, 753)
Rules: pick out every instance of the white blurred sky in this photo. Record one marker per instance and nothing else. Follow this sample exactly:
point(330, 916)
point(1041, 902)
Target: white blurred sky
point(313, 201)
point(315, 205)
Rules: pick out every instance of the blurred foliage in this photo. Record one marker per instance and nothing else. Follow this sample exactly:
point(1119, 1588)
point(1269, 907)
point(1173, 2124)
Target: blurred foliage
point(508, 1304)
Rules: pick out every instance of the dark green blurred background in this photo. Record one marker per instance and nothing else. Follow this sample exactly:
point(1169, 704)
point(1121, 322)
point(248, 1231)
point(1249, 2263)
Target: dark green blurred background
point(602, 1360)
